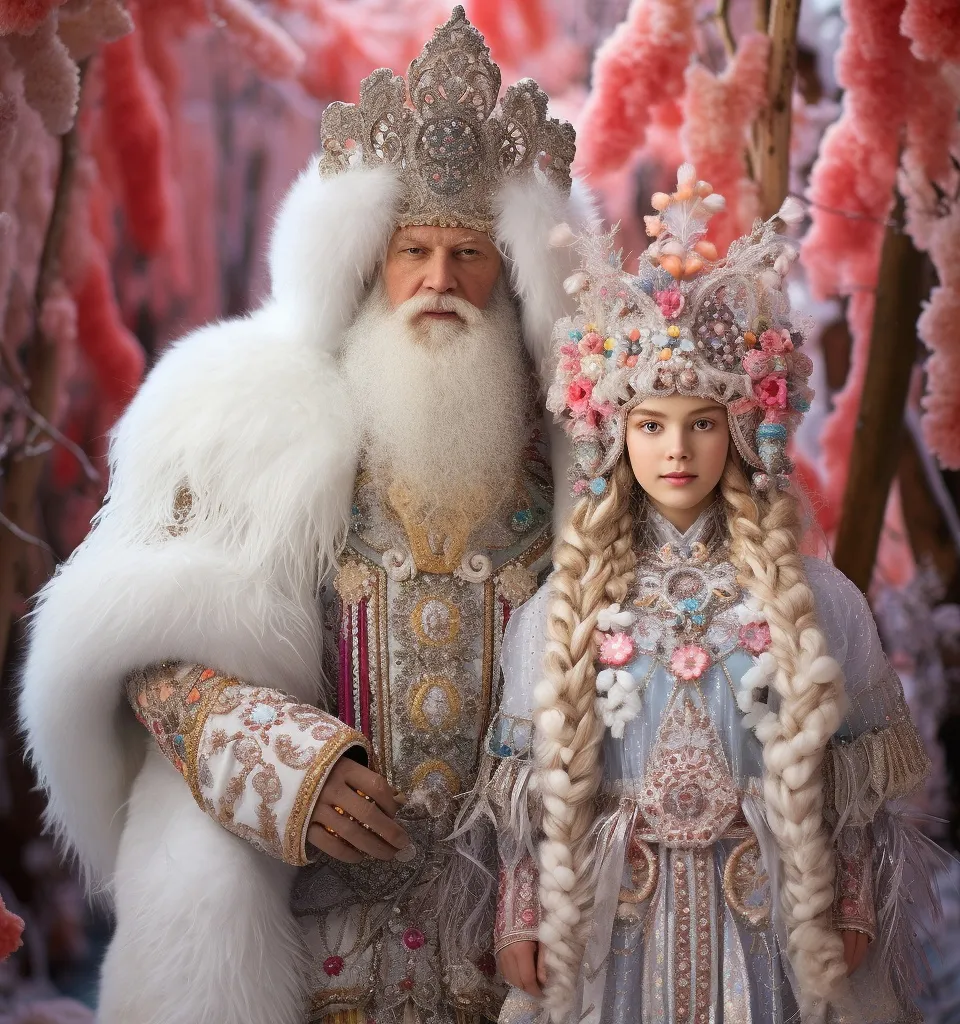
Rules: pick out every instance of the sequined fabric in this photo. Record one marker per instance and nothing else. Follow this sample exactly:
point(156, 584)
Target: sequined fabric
point(415, 652)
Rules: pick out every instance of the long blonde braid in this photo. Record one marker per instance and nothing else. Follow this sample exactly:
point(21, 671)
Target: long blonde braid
point(764, 544)
point(594, 567)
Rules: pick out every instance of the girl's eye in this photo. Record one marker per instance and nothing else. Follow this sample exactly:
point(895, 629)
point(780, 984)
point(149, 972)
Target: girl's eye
point(703, 425)
point(650, 427)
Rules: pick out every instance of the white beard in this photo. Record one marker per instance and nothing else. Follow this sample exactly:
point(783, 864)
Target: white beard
point(443, 404)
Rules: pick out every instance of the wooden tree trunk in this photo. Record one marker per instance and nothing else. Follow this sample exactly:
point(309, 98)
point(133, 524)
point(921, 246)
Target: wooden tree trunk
point(879, 428)
point(772, 130)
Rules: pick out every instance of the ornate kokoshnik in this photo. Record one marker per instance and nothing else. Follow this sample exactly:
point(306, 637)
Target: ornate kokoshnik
point(686, 323)
point(456, 145)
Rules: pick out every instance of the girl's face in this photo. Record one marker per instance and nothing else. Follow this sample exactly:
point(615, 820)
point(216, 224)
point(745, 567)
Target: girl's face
point(678, 448)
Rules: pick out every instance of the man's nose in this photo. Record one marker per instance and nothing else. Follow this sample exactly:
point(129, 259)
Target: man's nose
point(440, 277)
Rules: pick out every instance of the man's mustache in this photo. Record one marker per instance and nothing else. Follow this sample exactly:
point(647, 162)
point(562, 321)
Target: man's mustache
point(421, 304)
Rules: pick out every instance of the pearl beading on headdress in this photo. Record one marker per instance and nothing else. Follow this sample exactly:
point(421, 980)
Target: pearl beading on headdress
point(688, 324)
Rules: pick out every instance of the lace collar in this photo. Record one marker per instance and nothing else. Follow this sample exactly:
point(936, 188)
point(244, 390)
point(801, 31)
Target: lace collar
point(706, 535)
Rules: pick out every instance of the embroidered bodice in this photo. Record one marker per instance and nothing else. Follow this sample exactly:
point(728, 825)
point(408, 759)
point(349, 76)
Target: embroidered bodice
point(673, 663)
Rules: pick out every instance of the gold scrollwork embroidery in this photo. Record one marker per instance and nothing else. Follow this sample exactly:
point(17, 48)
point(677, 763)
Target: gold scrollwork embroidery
point(746, 885)
point(435, 704)
point(435, 621)
point(423, 772)
point(643, 872)
point(353, 582)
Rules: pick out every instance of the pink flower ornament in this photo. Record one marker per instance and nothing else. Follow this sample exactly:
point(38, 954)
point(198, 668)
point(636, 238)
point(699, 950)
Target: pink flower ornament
point(742, 406)
point(591, 344)
point(670, 302)
point(776, 342)
point(755, 637)
point(616, 650)
point(771, 392)
point(579, 391)
point(756, 364)
point(689, 662)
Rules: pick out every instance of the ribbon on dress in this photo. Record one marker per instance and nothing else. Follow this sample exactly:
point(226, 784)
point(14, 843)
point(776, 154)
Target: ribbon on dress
point(612, 840)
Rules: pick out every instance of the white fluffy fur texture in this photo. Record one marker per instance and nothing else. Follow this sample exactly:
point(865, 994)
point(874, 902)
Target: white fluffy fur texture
point(178, 955)
point(253, 417)
point(525, 215)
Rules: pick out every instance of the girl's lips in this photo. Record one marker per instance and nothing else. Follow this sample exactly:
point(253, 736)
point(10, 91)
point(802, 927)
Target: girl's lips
point(679, 479)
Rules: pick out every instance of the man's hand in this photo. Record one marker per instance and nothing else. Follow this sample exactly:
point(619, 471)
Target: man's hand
point(352, 791)
point(522, 966)
point(854, 949)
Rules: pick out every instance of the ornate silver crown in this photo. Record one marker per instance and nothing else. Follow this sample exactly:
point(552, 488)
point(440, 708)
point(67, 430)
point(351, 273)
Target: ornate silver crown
point(454, 145)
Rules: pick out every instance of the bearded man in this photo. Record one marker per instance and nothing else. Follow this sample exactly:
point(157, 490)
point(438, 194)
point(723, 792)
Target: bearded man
point(334, 503)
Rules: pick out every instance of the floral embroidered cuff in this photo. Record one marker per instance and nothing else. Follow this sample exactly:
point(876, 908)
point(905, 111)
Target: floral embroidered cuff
point(254, 758)
point(853, 906)
point(518, 905)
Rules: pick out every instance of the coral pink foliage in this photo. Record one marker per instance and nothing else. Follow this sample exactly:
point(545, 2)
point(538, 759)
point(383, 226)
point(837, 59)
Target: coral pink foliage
point(51, 80)
point(719, 111)
point(939, 327)
point(11, 928)
point(24, 15)
point(857, 165)
point(890, 97)
point(640, 67)
point(934, 27)
point(112, 349)
point(137, 126)
point(262, 41)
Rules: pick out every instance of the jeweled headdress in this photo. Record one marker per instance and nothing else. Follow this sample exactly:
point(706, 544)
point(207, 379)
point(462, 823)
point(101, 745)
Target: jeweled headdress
point(689, 324)
point(454, 145)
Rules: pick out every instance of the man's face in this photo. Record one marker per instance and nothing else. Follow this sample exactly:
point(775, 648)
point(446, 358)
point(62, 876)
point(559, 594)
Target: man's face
point(430, 261)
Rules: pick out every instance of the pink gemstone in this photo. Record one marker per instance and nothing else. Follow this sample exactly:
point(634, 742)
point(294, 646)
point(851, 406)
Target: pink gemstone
point(406, 985)
point(413, 938)
point(333, 965)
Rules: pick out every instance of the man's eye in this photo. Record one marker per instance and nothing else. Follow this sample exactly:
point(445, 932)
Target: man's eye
point(414, 250)
point(468, 252)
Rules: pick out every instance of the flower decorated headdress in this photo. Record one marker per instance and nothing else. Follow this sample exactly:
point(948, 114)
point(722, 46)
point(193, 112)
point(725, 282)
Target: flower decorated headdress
point(686, 323)
point(455, 145)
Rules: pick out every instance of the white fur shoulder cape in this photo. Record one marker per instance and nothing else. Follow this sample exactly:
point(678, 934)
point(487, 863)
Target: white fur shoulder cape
point(252, 419)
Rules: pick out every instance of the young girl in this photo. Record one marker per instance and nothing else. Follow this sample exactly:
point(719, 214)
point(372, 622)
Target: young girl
point(699, 734)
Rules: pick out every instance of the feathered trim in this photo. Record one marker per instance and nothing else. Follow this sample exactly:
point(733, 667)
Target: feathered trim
point(497, 824)
point(906, 866)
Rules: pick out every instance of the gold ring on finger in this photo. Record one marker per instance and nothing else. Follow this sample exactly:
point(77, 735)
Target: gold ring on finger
point(339, 810)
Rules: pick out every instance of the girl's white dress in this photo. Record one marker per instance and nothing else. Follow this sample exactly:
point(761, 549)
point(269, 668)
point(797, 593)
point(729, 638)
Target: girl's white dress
point(685, 926)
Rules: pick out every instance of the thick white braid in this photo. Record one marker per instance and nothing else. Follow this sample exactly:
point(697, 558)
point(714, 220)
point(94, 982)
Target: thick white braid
point(764, 546)
point(594, 561)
